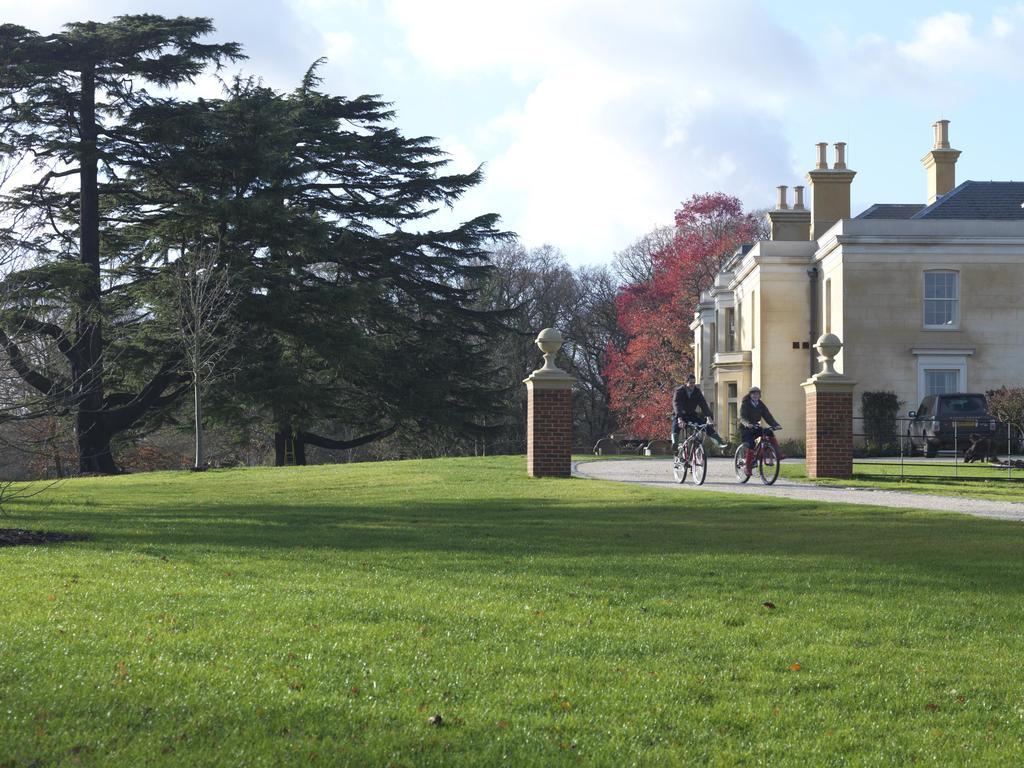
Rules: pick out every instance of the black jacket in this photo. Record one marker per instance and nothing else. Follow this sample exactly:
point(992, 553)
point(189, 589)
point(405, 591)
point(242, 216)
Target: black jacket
point(751, 415)
point(687, 405)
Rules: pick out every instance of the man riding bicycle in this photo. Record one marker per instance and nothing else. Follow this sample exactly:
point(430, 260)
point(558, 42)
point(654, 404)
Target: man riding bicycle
point(752, 410)
point(689, 406)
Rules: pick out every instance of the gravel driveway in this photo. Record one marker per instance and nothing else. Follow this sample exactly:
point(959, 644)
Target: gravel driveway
point(658, 472)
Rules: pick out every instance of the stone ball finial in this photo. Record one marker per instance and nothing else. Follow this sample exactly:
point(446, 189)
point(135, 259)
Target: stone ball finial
point(828, 346)
point(550, 341)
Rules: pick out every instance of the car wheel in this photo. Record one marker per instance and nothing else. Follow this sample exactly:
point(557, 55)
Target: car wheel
point(931, 449)
point(911, 451)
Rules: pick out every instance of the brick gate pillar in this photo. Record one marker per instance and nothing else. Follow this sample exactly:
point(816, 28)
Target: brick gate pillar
point(549, 413)
point(829, 399)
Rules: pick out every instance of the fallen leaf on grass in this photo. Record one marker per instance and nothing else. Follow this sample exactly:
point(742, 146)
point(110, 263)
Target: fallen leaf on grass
point(931, 707)
point(436, 720)
point(768, 604)
point(794, 667)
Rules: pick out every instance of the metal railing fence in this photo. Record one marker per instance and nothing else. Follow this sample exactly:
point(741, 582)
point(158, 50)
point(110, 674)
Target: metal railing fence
point(912, 449)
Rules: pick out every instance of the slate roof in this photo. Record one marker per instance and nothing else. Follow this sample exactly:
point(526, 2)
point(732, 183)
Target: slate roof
point(994, 200)
point(890, 211)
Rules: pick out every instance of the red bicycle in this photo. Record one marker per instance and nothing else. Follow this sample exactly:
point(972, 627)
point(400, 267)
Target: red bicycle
point(766, 460)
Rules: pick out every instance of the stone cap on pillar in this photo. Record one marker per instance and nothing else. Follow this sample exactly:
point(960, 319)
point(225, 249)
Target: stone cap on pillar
point(549, 375)
point(828, 379)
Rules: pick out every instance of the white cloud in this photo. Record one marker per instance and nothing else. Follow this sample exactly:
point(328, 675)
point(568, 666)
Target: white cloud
point(630, 108)
point(949, 46)
point(340, 46)
point(944, 42)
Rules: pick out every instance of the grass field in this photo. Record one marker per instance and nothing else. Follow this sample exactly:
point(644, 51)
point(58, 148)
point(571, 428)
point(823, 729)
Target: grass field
point(975, 481)
point(319, 616)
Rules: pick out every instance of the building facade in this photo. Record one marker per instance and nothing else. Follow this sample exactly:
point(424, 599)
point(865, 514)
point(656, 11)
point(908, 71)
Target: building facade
point(926, 297)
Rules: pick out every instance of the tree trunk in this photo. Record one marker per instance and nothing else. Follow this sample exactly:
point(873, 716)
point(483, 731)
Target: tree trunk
point(200, 448)
point(93, 437)
point(279, 443)
point(289, 447)
point(94, 455)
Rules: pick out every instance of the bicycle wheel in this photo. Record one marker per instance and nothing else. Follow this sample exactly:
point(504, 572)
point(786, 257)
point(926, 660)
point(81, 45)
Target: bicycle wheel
point(679, 467)
point(769, 466)
point(740, 463)
point(699, 464)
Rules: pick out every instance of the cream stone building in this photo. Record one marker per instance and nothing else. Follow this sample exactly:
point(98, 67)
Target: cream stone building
point(927, 297)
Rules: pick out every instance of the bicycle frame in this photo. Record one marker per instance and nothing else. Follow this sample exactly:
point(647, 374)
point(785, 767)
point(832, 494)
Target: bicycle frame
point(759, 445)
point(762, 444)
point(690, 454)
point(686, 446)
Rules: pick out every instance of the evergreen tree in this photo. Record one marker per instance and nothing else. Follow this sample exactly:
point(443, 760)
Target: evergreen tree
point(354, 312)
point(66, 102)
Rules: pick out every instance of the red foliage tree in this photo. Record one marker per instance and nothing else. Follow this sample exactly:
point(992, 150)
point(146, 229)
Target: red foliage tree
point(655, 315)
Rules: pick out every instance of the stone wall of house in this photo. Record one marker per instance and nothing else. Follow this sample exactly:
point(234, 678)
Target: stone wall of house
point(882, 314)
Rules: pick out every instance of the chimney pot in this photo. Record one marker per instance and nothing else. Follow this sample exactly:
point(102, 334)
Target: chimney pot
point(940, 163)
point(781, 201)
point(798, 203)
point(829, 192)
point(840, 155)
point(822, 159)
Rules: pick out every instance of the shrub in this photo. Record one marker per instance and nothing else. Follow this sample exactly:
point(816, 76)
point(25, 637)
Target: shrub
point(879, 411)
point(793, 448)
point(1007, 405)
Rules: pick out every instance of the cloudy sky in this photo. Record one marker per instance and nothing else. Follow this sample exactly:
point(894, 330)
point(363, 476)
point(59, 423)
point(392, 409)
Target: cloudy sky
point(595, 118)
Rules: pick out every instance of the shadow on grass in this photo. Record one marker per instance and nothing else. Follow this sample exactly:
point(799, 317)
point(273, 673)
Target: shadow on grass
point(548, 519)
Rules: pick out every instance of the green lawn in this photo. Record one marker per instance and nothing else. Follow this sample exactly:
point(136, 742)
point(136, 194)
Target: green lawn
point(320, 615)
point(976, 481)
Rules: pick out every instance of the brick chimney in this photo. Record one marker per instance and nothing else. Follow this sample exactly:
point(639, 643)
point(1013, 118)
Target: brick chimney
point(940, 163)
point(789, 223)
point(830, 190)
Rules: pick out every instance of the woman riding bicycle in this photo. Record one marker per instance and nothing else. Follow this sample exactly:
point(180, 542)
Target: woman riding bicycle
point(752, 411)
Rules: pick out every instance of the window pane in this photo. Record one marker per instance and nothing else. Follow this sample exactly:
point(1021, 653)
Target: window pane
point(968, 404)
point(940, 285)
point(940, 311)
point(939, 381)
point(941, 294)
